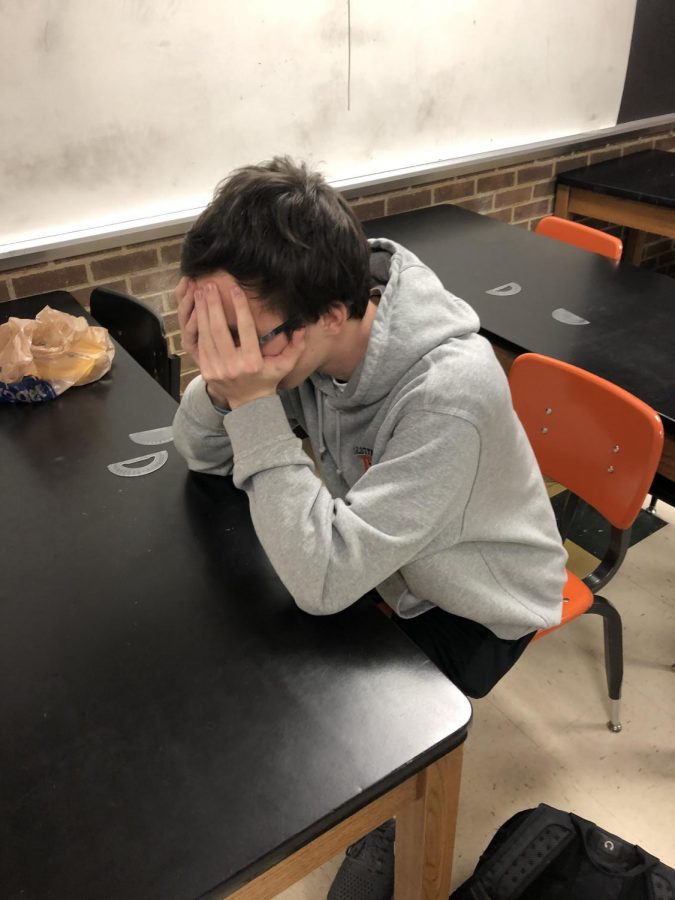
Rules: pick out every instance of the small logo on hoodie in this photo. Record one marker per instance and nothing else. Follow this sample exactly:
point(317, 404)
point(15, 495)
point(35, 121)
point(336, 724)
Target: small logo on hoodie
point(365, 454)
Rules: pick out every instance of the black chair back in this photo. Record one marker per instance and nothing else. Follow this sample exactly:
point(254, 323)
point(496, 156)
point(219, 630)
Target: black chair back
point(138, 329)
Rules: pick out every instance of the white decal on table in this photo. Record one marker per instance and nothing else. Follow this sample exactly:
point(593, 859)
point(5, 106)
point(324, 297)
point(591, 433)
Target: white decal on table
point(568, 318)
point(153, 437)
point(128, 468)
point(505, 290)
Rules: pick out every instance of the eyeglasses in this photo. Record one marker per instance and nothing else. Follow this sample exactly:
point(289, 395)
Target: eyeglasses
point(287, 328)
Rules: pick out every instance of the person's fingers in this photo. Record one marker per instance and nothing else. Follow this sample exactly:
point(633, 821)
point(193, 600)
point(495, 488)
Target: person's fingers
point(181, 288)
point(289, 356)
point(218, 327)
point(207, 350)
point(248, 336)
point(191, 325)
point(186, 302)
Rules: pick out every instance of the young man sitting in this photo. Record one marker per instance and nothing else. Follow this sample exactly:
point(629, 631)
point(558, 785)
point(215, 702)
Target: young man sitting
point(430, 497)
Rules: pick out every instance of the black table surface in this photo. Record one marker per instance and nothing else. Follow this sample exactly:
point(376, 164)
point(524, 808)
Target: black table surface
point(631, 311)
point(647, 176)
point(170, 722)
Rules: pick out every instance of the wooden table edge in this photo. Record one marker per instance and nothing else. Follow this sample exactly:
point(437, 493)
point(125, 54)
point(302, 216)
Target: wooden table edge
point(636, 214)
point(425, 807)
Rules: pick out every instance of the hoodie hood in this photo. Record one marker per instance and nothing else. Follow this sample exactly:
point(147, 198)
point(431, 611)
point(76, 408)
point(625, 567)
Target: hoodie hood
point(415, 314)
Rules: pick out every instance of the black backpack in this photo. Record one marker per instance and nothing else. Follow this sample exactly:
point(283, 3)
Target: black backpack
point(547, 854)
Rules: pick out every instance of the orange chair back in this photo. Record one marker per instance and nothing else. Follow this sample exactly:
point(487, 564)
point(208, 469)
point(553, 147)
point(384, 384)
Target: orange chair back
point(591, 436)
point(581, 236)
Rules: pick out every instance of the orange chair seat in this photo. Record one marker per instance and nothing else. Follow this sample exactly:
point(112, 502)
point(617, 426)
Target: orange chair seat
point(577, 599)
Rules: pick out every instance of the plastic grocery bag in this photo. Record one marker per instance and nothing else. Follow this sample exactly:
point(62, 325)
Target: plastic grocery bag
point(41, 358)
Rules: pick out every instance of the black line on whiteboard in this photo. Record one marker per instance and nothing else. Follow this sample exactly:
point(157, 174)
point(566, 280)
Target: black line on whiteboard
point(349, 54)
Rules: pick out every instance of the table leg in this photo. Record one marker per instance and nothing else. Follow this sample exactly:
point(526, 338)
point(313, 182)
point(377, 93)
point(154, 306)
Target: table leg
point(632, 249)
point(425, 807)
point(425, 834)
point(562, 201)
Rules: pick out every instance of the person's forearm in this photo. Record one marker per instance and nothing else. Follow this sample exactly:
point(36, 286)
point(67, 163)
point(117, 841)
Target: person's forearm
point(327, 551)
point(198, 432)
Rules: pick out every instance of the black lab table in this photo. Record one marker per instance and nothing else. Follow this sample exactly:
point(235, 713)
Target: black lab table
point(536, 294)
point(171, 725)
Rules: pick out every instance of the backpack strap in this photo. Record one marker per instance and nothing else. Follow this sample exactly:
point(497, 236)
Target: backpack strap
point(662, 883)
point(526, 853)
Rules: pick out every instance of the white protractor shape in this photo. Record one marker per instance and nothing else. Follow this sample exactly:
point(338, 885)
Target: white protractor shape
point(505, 290)
point(127, 469)
point(153, 437)
point(568, 318)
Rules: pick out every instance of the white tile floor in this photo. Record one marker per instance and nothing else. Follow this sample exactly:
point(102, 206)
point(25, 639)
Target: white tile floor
point(541, 737)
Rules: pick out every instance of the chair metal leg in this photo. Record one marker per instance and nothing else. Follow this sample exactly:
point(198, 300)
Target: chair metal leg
point(613, 631)
point(569, 511)
point(652, 504)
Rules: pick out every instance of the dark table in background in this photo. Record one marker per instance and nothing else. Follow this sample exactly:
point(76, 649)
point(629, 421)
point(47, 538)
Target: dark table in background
point(631, 336)
point(637, 191)
point(171, 724)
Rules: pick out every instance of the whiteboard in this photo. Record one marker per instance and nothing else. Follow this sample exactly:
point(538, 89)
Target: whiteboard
point(127, 111)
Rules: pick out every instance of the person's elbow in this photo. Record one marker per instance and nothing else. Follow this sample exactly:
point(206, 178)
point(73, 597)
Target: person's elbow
point(323, 602)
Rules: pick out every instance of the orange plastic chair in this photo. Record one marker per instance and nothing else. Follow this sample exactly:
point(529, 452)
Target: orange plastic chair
point(604, 445)
point(581, 236)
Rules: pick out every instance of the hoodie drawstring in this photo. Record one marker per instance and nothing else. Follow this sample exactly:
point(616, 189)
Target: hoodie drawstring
point(337, 429)
point(321, 399)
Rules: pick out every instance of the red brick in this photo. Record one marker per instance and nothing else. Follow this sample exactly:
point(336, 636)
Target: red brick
point(169, 302)
point(171, 323)
point(660, 245)
point(478, 204)
point(637, 145)
point(49, 280)
point(535, 173)
point(543, 189)
point(157, 302)
point(170, 253)
point(573, 162)
point(154, 282)
point(119, 284)
point(4, 290)
point(368, 209)
point(124, 263)
point(532, 210)
point(83, 294)
point(665, 143)
point(496, 181)
point(455, 190)
point(411, 200)
point(603, 155)
point(503, 215)
point(510, 198)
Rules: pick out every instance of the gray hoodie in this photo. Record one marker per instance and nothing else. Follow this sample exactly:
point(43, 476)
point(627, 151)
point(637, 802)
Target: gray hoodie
point(430, 493)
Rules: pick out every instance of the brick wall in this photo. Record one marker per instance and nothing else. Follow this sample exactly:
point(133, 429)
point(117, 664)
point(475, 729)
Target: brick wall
point(518, 194)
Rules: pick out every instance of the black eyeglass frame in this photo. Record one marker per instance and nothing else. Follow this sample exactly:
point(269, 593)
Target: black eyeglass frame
point(287, 328)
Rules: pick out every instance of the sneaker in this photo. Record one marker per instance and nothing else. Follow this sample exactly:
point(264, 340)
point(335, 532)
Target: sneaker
point(367, 871)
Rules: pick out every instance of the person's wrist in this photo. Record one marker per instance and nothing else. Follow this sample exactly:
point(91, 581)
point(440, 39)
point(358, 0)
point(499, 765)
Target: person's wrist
point(218, 399)
point(235, 403)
